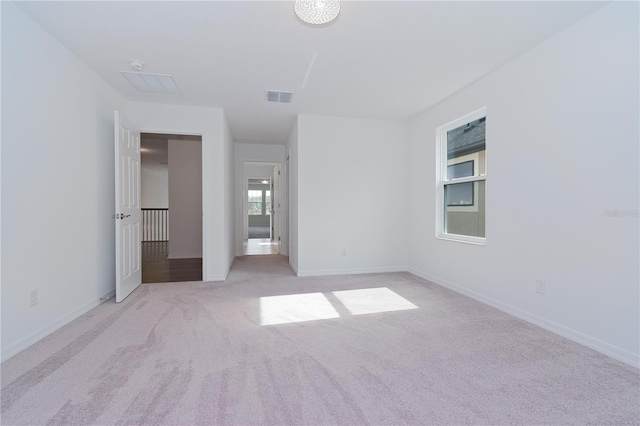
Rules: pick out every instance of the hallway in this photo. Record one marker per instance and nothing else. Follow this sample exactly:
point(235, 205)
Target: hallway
point(258, 246)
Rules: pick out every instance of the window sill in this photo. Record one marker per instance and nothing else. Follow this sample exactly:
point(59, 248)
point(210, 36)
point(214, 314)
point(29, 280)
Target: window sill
point(478, 241)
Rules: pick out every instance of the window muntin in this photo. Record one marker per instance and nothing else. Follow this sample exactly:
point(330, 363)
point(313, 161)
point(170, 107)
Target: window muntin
point(461, 178)
point(460, 194)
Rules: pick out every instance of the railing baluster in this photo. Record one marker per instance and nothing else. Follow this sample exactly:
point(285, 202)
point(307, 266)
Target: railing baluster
point(155, 224)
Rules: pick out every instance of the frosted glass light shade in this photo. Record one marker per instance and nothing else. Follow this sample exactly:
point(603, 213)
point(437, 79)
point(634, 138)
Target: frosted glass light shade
point(317, 12)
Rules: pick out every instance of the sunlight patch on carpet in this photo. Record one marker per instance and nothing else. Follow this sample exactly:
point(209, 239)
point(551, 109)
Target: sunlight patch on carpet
point(292, 308)
point(295, 308)
point(373, 300)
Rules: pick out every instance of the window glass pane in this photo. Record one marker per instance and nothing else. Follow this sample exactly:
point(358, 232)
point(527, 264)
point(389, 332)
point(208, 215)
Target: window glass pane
point(255, 209)
point(459, 170)
point(255, 196)
point(255, 202)
point(460, 194)
point(464, 208)
point(466, 150)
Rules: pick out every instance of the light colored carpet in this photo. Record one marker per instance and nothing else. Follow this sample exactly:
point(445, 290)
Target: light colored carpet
point(196, 353)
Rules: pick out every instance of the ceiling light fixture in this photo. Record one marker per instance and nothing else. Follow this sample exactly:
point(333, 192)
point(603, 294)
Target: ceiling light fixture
point(265, 181)
point(317, 12)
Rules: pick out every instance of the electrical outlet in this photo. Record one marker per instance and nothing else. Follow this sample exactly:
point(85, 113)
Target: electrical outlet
point(344, 251)
point(541, 286)
point(34, 297)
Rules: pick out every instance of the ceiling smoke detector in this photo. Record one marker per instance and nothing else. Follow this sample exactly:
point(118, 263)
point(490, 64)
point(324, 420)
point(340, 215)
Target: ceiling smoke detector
point(136, 65)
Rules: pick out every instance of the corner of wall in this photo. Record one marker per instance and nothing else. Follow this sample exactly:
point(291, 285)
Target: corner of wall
point(608, 349)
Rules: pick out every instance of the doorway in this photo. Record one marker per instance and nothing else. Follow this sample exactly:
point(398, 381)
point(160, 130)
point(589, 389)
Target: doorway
point(171, 201)
point(260, 217)
point(261, 212)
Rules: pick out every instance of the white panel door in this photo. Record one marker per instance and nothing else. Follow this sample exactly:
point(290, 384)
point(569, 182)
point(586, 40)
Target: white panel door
point(276, 207)
point(128, 213)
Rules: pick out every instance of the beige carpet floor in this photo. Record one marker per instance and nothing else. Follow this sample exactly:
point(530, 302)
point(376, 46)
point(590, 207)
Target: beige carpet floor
point(266, 347)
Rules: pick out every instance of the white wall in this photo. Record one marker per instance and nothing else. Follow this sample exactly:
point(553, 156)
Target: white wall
point(57, 183)
point(154, 185)
point(185, 199)
point(216, 172)
point(229, 219)
point(292, 196)
point(246, 152)
point(562, 147)
point(352, 194)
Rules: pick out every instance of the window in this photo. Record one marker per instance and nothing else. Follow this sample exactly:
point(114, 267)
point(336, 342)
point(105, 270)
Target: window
point(259, 201)
point(461, 164)
point(255, 202)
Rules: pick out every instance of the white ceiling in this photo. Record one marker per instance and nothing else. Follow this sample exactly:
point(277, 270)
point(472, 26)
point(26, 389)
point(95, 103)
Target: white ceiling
point(387, 60)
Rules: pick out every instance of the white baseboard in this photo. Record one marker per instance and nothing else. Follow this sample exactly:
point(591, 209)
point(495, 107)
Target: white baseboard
point(216, 278)
point(350, 271)
point(33, 338)
point(219, 277)
point(185, 256)
point(229, 266)
point(605, 348)
point(294, 267)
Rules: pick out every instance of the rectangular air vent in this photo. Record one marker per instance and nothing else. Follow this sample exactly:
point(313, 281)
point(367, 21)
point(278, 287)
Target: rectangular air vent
point(282, 97)
point(158, 83)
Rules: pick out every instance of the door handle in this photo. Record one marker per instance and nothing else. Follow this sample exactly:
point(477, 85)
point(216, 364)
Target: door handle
point(120, 216)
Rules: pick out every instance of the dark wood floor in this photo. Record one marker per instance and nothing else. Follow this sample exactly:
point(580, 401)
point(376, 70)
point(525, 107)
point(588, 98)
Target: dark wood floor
point(156, 268)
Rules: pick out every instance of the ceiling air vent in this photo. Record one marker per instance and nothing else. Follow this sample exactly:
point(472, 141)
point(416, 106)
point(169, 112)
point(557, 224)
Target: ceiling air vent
point(282, 97)
point(151, 82)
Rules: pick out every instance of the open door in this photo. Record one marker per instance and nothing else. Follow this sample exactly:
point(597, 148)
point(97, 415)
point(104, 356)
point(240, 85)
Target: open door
point(128, 213)
point(276, 207)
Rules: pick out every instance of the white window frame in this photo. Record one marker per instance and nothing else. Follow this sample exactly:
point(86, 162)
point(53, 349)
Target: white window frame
point(441, 177)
